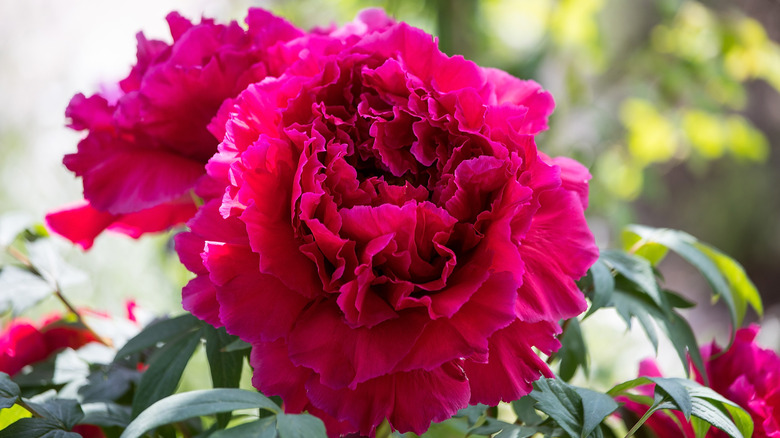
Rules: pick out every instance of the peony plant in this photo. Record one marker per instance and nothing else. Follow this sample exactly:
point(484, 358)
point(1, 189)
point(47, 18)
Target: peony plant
point(374, 232)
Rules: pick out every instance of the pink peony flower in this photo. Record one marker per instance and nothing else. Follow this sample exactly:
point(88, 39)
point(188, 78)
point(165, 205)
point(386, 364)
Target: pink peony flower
point(148, 142)
point(24, 343)
point(745, 374)
point(390, 240)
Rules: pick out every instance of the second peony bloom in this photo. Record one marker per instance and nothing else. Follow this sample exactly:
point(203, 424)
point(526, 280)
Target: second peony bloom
point(390, 240)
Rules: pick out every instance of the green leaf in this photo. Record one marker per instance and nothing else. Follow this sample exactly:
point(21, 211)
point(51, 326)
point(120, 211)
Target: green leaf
point(108, 383)
point(637, 270)
point(629, 302)
point(180, 407)
point(9, 391)
point(11, 415)
point(578, 411)
point(238, 345)
point(560, 402)
point(36, 428)
point(262, 428)
point(635, 244)
point(745, 292)
point(702, 402)
point(63, 412)
point(472, 414)
point(225, 366)
point(573, 352)
point(526, 412)
point(299, 426)
point(157, 332)
point(165, 369)
point(741, 419)
point(678, 393)
point(595, 408)
point(105, 414)
point(603, 286)
point(726, 277)
point(20, 289)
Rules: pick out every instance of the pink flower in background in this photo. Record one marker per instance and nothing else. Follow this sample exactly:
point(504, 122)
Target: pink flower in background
point(390, 241)
point(745, 374)
point(749, 376)
point(24, 343)
point(147, 143)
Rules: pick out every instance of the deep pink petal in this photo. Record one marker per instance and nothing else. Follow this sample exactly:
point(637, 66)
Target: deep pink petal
point(81, 223)
point(410, 401)
point(199, 297)
point(512, 364)
point(360, 354)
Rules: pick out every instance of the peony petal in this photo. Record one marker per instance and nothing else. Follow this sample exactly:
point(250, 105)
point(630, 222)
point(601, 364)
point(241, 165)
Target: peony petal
point(557, 249)
point(360, 354)
point(81, 223)
point(199, 297)
point(512, 364)
point(233, 271)
point(410, 401)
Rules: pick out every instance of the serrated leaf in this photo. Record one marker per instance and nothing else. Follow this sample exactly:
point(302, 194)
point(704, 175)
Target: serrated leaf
point(637, 270)
point(299, 426)
point(20, 289)
point(63, 412)
point(106, 414)
point(263, 428)
point(9, 391)
point(595, 408)
point(603, 286)
point(191, 404)
point(165, 369)
point(36, 428)
point(159, 331)
point(560, 402)
point(573, 352)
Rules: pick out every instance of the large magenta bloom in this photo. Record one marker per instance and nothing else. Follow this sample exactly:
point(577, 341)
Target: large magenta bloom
point(149, 139)
point(390, 241)
point(745, 374)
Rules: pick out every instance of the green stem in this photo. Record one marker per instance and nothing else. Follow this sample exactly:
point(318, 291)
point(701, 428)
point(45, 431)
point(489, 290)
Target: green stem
point(642, 420)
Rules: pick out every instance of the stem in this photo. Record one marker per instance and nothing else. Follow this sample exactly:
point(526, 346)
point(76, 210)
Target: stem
point(642, 420)
point(24, 260)
point(21, 403)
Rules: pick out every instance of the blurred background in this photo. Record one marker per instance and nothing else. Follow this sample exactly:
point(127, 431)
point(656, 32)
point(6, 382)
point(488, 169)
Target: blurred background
point(674, 105)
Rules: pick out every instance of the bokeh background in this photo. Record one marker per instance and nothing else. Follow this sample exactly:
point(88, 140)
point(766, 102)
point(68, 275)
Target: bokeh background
point(674, 105)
